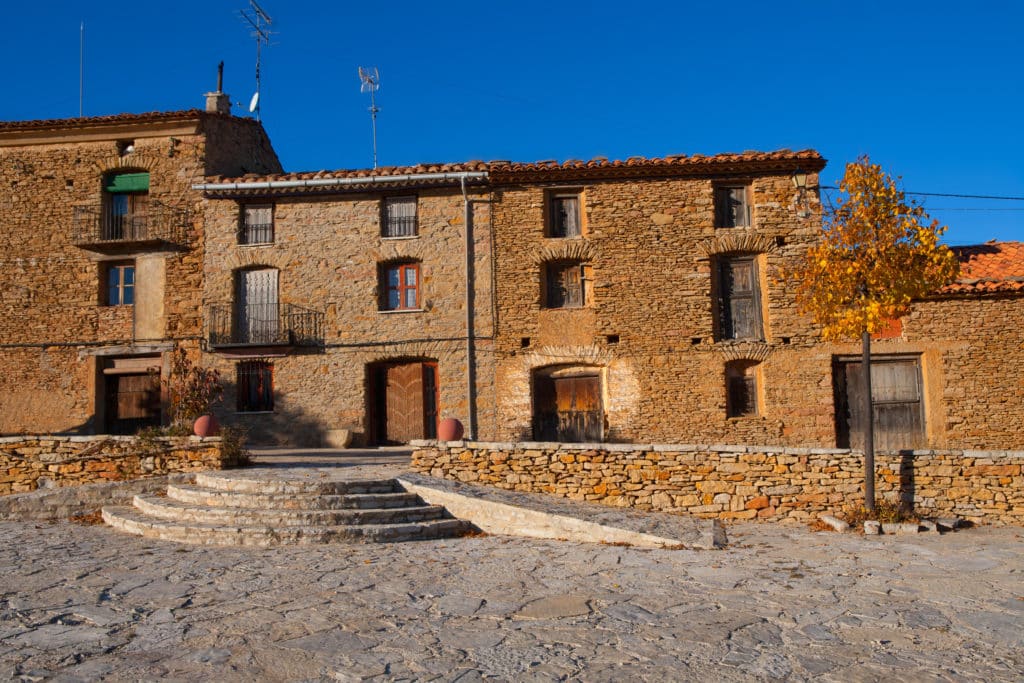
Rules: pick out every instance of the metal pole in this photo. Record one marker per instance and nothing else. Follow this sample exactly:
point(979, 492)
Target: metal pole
point(869, 424)
point(81, 67)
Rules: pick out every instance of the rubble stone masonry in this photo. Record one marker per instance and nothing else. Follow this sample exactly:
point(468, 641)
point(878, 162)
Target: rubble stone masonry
point(28, 463)
point(738, 482)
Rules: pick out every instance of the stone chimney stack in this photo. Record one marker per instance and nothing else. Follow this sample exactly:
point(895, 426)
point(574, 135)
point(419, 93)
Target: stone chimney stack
point(219, 102)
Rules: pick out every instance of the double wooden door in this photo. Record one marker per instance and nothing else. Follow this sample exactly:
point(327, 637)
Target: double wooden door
point(568, 409)
point(403, 401)
point(897, 404)
point(132, 402)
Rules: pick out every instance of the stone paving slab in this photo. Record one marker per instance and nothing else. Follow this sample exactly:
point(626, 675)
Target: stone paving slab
point(539, 516)
point(82, 603)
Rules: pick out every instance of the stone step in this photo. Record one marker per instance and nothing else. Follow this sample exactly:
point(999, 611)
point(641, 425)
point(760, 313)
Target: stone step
point(174, 510)
point(197, 495)
point(230, 481)
point(131, 520)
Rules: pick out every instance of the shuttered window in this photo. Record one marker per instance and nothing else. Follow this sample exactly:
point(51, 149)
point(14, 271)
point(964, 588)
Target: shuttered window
point(564, 215)
point(732, 208)
point(739, 298)
point(567, 284)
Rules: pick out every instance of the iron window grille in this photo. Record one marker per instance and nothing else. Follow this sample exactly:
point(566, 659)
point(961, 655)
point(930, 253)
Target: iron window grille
point(255, 386)
point(256, 224)
point(400, 219)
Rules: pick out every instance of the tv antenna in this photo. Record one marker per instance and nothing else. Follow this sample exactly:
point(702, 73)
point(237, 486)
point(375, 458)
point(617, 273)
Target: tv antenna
point(370, 79)
point(260, 21)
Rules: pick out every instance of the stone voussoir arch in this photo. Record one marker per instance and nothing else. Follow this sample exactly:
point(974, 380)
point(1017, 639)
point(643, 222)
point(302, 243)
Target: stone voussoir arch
point(576, 250)
point(744, 243)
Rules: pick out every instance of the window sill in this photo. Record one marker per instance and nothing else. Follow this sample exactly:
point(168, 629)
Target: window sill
point(400, 237)
point(257, 244)
point(117, 305)
point(402, 310)
point(564, 237)
point(254, 412)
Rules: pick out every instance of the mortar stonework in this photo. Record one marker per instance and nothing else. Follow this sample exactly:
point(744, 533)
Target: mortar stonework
point(737, 482)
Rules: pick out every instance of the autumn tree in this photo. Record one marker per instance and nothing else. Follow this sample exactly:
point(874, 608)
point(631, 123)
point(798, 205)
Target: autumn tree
point(878, 252)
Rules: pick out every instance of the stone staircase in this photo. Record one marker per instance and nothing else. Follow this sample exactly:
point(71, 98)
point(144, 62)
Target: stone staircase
point(228, 508)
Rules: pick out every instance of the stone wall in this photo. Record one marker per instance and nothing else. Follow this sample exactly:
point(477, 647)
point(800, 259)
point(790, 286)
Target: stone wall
point(737, 482)
point(32, 462)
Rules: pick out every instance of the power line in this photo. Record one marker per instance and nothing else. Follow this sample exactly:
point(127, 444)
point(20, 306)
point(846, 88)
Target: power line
point(947, 194)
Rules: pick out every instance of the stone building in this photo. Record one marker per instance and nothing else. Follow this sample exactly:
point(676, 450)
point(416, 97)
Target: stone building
point(102, 266)
point(636, 301)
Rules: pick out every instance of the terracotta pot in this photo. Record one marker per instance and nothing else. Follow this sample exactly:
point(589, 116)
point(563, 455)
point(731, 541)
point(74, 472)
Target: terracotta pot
point(206, 425)
point(450, 429)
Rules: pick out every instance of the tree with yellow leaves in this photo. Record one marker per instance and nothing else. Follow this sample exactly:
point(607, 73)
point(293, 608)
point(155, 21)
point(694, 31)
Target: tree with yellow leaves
point(877, 254)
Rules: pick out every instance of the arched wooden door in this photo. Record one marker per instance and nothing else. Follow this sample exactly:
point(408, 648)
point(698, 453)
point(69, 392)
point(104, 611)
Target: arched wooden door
point(403, 401)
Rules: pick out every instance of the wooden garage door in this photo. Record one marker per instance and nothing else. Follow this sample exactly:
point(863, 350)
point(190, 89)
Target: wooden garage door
point(897, 404)
point(133, 402)
point(568, 409)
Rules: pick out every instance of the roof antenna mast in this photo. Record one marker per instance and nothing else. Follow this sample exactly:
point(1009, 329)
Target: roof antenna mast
point(260, 22)
point(370, 79)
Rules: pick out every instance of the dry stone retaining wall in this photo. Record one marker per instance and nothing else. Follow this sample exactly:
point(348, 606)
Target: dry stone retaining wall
point(31, 462)
point(738, 482)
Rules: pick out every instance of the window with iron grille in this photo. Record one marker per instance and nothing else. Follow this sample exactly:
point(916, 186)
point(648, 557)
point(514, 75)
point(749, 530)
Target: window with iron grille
point(741, 378)
point(120, 284)
point(256, 224)
point(567, 284)
point(732, 208)
point(400, 286)
point(739, 298)
point(564, 214)
point(399, 219)
point(255, 386)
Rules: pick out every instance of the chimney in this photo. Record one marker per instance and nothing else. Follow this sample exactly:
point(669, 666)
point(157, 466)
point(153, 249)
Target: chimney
point(219, 102)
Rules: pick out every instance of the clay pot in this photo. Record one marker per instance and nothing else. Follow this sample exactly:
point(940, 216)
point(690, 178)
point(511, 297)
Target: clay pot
point(206, 425)
point(449, 429)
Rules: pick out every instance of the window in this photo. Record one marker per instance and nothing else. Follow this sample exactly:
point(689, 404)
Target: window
point(732, 209)
point(739, 299)
point(125, 206)
point(121, 284)
point(564, 215)
point(399, 219)
point(567, 284)
point(400, 287)
point(257, 310)
point(741, 398)
point(897, 403)
point(255, 386)
point(256, 224)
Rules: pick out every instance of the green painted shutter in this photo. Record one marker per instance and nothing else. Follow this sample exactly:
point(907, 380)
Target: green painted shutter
point(127, 182)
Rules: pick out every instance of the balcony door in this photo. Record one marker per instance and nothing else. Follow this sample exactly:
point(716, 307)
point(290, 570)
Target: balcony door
point(257, 306)
point(126, 206)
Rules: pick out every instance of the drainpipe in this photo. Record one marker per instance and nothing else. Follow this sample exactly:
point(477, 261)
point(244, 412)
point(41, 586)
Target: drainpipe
point(470, 331)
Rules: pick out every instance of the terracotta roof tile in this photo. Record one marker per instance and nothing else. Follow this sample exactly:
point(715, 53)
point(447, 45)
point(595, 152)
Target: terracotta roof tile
point(506, 168)
point(148, 117)
point(993, 267)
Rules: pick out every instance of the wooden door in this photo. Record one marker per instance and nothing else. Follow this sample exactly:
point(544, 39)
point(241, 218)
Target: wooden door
point(405, 402)
point(568, 409)
point(897, 404)
point(257, 307)
point(133, 402)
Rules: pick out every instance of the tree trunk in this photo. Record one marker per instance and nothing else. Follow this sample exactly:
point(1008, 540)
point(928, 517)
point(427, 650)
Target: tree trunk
point(869, 425)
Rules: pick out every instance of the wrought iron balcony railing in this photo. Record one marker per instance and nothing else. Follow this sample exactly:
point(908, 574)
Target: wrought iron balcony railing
point(265, 325)
point(103, 228)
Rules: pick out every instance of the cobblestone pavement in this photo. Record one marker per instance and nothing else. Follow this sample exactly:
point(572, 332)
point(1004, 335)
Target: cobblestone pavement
point(84, 603)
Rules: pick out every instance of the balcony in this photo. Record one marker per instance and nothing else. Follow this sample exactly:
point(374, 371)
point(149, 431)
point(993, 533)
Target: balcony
point(106, 230)
point(233, 325)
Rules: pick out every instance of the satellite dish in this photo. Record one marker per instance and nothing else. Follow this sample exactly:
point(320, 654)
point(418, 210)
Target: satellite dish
point(254, 103)
point(370, 78)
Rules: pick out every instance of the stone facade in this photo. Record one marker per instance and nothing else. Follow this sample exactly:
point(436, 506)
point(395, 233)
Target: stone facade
point(59, 339)
point(28, 463)
point(327, 251)
point(736, 482)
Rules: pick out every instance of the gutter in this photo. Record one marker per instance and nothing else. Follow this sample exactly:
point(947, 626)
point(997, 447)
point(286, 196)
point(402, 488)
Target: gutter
point(460, 177)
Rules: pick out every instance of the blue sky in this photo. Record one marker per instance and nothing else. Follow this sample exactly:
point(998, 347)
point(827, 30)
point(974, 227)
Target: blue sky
point(934, 91)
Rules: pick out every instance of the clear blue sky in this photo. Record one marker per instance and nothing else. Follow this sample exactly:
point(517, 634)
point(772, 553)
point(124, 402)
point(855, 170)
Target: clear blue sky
point(934, 91)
